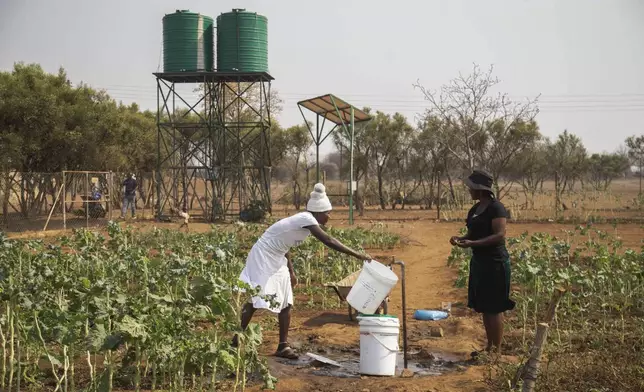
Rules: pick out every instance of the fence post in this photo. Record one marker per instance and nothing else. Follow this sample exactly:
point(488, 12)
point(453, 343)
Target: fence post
point(87, 200)
point(110, 191)
point(529, 371)
point(63, 204)
point(53, 207)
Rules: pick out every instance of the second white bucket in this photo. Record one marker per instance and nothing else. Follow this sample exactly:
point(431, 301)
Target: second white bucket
point(378, 345)
point(371, 288)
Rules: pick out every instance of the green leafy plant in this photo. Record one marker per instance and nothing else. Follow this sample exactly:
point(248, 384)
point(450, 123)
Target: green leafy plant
point(154, 310)
point(601, 316)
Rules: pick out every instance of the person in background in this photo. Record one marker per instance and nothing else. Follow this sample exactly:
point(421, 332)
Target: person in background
point(129, 195)
point(489, 280)
point(269, 265)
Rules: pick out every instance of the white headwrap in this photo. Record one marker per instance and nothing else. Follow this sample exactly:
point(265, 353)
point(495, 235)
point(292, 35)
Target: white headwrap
point(319, 202)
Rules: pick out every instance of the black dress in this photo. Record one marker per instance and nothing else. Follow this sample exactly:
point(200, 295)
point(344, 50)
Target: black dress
point(489, 280)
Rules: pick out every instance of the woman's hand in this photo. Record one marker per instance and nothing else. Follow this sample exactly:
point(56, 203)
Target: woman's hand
point(454, 240)
point(465, 243)
point(365, 257)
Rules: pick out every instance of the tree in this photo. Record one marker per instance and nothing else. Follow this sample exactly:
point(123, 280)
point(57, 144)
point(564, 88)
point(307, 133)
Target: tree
point(470, 112)
point(279, 143)
point(47, 126)
point(530, 169)
point(361, 154)
point(297, 145)
point(567, 161)
point(385, 139)
point(604, 168)
point(503, 144)
point(636, 154)
point(428, 158)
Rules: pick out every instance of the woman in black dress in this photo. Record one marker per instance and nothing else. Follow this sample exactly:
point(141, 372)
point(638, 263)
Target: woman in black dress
point(489, 281)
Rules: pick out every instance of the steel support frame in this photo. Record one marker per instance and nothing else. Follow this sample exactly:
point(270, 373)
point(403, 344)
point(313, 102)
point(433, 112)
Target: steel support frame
point(228, 149)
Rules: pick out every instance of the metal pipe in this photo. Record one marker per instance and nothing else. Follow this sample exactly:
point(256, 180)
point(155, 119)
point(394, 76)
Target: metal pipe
point(351, 167)
point(404, 309)
point(317, 150)
point(158, 177)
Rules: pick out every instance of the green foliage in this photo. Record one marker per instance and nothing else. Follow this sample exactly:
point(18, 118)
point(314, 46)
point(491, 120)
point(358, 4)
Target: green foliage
point(47, 125)
point(506, 141)
point(141, 298)
point(160, 307)
point(567, 160)
point(255, 211)
point(290, 148)
point(601, 317)
point(361, 149)
point(604, 168)
point(635, 147)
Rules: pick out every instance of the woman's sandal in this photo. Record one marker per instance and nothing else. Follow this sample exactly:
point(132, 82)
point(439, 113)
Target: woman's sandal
point(287, 353)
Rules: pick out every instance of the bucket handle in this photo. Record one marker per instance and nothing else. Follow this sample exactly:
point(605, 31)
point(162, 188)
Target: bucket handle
point(382, 344)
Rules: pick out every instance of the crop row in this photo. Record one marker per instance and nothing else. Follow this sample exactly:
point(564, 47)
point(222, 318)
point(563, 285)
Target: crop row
point(136, 310)
point(600, 317)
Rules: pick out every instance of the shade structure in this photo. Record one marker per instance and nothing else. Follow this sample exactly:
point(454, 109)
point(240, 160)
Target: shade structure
point(334, 109)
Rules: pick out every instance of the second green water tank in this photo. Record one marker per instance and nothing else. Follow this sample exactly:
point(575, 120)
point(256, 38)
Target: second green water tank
point(187, 42)
point(242, 42)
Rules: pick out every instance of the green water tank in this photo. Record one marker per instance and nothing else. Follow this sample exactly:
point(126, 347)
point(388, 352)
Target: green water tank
point(188, 44)
point(242, 42)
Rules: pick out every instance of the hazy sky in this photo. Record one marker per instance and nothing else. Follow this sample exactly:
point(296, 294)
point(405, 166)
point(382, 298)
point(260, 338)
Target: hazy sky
point(586, 57)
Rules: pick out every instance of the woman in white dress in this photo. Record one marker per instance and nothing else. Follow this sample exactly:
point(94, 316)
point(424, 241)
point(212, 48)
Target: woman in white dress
point(269, 266)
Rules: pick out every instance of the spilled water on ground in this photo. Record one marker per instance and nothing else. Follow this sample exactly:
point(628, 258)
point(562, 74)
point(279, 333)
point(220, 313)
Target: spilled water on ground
point(420, 363)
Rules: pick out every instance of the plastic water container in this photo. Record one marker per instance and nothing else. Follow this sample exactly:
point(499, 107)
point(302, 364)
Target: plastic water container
point(430, 315)
point(371, 288)
point(378, 344)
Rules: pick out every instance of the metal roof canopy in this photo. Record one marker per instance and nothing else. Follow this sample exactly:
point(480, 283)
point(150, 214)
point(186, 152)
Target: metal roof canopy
point(340, 113)
point(334, 109)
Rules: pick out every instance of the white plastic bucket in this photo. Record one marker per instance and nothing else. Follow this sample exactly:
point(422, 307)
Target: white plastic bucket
point(378, 345)
point(372, 286)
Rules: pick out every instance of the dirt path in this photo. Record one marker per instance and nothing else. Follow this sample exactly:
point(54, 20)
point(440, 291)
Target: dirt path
point(429, 282)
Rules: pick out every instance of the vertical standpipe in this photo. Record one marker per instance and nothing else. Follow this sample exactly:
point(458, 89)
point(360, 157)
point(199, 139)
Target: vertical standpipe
point(351, 167)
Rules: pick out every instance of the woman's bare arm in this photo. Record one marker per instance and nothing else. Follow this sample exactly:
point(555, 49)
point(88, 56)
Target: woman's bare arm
point(498, 234)
point(334, 244)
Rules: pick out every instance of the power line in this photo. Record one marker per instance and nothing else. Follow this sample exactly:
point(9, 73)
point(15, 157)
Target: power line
point(152, 88)
point(417, 97)
point(624, 102)
point(405, 103)
point(422, 108)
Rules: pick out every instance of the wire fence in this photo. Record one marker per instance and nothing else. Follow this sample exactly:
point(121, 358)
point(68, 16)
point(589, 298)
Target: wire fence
point(73, 199)
point(31, 201)
point(70, 199)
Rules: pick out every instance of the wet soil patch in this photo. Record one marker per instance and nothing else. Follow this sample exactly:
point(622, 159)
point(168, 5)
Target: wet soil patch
point(421, 363)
